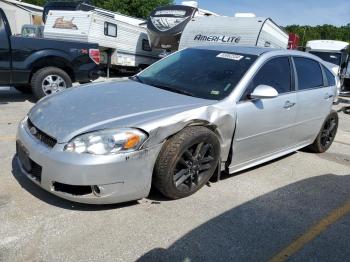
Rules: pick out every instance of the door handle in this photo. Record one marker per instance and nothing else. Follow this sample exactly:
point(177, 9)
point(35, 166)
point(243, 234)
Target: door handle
point(288, 105)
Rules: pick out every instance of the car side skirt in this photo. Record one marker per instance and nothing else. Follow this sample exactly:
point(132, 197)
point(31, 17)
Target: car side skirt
point(267, 158)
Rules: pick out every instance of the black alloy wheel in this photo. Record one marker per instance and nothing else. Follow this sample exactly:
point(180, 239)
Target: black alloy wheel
point(192, 166)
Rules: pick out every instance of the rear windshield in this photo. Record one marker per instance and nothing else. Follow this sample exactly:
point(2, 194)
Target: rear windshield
point(333, 58)
point(200, 73)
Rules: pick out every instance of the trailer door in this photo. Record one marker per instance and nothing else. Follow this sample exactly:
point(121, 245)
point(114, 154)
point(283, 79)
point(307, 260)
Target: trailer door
point(5, 55)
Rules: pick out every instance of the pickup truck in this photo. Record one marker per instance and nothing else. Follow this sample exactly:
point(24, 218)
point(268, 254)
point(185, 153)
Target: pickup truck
point(44, 66)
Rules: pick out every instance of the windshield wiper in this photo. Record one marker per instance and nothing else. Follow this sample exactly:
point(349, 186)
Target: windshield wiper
point(175, 90)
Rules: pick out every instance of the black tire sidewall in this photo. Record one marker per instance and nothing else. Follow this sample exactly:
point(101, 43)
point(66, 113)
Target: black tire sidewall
point(170, 159)
point(39, 76)
point(319, 147)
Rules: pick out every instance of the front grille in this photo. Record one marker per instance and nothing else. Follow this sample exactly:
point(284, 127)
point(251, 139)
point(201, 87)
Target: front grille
point(35, 171)
point(40, 135)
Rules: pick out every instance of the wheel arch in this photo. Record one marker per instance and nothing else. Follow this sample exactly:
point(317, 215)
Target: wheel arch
point(52, 61)
point(196, 122)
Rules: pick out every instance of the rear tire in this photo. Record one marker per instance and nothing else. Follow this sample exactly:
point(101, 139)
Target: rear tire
point(327, 134)
point(186, 162)
point(49, 80)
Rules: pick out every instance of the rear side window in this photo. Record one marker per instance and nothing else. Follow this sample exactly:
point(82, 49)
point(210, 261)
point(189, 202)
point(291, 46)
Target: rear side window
point(309, 73)
point(330, 77)
point(275, 73)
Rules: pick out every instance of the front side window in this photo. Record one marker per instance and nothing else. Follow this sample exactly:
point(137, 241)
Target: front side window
point(309, 73)
point(207, 74)
point(110, 29)
point(275, 73)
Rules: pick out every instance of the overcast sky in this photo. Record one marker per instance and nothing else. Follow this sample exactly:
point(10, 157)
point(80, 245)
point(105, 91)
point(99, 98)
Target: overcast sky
point(284, 12)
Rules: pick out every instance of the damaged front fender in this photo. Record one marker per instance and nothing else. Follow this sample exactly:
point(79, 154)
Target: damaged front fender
point(221, 118)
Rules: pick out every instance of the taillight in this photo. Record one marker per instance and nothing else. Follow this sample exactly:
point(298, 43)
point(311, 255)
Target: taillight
point(94, 54)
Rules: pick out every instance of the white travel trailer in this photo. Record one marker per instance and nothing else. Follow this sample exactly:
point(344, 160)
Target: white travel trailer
point(166, 23)
point(336, 53)
point(332, 51)
point(19, 14)
point(122, 40)
point(246, 30)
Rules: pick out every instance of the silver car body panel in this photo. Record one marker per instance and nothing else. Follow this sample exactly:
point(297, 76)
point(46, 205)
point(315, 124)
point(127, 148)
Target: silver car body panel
point(256, 131)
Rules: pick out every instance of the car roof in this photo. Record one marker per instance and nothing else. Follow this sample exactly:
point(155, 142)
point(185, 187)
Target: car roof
point(249, 50)
point(258, 51)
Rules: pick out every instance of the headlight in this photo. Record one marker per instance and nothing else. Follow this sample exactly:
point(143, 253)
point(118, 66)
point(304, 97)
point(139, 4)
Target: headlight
point(107, 142)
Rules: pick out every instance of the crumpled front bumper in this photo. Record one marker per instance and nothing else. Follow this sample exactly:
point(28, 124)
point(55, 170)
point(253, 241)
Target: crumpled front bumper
point(119, 178)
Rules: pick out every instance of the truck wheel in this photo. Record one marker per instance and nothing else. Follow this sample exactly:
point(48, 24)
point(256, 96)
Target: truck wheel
point(49, 80)
point(23, 89)
point(186, 162)
point(327, 134)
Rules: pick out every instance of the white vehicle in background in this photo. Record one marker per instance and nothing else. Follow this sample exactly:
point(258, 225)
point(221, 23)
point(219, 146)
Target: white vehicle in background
point(122, 39)
point(335, 53)
point(243, 30)
point(19, 14)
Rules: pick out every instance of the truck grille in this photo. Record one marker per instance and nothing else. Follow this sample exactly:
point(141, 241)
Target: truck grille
point(40, 135)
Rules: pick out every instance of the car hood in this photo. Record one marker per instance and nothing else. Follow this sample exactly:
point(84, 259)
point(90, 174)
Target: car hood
point(108, 105)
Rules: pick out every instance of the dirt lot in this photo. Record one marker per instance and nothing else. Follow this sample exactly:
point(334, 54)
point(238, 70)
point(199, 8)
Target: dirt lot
point(297, 207)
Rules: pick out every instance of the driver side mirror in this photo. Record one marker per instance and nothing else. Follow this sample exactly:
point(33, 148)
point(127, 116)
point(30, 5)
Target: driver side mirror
point(263, 92)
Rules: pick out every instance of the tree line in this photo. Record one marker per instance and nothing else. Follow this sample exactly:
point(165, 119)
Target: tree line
point(326, 32)
point(136, 8)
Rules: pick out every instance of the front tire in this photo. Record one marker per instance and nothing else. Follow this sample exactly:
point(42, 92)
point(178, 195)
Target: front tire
point(186, 162)
point(49, 80)
point(327, 134)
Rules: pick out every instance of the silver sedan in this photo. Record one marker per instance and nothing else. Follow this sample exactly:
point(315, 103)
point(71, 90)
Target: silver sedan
point(178, 123)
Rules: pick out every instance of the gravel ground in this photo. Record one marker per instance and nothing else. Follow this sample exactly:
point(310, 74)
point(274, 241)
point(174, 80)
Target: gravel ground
point(249, 216)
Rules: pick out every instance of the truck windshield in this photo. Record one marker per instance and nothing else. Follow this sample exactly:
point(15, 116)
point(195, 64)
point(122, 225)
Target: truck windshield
point(200, 73)
point(334, 58)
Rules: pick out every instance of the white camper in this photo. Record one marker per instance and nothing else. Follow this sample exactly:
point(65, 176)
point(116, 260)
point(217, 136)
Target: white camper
point(239, 30)
point(166, 24)
point(336, 53)
point(121, 38)
point(19, 14)
point(332, 51)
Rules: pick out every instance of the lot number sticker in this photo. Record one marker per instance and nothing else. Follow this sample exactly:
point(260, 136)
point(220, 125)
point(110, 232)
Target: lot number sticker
point(230, 56)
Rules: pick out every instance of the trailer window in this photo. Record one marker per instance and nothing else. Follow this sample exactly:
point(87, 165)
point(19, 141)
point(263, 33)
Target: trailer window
point(110, 29)
point(200, 73)
point(145, 45)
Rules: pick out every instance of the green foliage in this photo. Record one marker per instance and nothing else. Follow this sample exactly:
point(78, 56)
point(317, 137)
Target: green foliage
point(136, 8)
point(35, 2)
point(327, 32)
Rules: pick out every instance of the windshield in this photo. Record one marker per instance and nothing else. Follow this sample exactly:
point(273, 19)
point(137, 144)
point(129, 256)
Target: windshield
point(334, 58)
point(200, 73)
